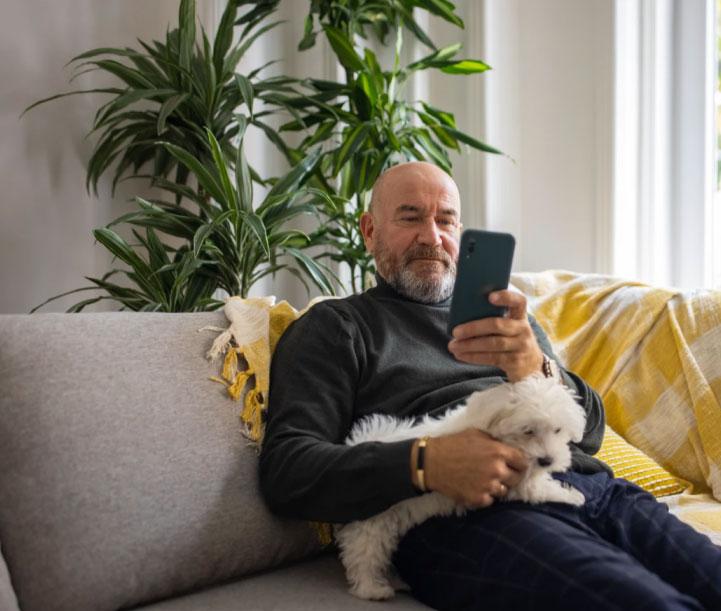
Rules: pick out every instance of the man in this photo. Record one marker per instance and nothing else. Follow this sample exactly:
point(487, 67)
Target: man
point(387, 351)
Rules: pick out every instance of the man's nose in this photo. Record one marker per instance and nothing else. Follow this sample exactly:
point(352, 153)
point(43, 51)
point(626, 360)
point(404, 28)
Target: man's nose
point(429, 233)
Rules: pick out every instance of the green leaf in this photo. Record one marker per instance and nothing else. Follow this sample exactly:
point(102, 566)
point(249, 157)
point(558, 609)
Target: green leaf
point(368, 85)
point(224, 36)
point(465, 66)
point(434, 151)
point(133, 78)
point(205, 177)
point(128, 98)
point(442, 55)
point(207, 229)
point(246, 91)
point(230, 194)
point(351, 143)
point(291, 181)
point(471, 141)
point(167, 109)
point(119, 248)
point(312, 269)
point(256, 224)
point(343, 48)
point(444, 117)
point(243, 180)
point(442, 8)
point(186, 28)
point(64, 95)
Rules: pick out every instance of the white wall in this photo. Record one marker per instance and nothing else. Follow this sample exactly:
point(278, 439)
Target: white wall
point(548, 106)
point(46, 244)
point(542, 104)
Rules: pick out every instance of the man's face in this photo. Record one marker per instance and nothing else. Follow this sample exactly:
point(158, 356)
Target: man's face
point(413, 231)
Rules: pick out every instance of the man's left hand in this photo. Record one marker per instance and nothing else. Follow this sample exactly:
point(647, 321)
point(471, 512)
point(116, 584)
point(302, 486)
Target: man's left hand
point(507, 343)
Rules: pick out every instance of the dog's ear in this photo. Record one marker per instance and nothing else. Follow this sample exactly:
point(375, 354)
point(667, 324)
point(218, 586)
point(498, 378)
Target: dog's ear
point(577, 423)
point(487, 408)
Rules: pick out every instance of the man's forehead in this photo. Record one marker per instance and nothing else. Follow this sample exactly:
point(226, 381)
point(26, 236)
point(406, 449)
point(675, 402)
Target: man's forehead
point(415, 184)
point(444, 209)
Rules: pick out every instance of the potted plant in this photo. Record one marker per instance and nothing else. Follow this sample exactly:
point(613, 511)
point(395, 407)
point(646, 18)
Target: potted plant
point(183, 108)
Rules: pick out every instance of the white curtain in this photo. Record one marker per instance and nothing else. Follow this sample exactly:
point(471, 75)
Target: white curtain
point(663, 141)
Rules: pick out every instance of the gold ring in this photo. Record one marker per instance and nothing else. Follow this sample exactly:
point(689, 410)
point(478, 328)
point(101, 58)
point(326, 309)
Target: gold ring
point(504, 489)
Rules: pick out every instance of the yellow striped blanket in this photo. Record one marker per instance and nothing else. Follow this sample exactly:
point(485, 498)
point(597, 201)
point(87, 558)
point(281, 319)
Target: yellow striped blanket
point(654, 356)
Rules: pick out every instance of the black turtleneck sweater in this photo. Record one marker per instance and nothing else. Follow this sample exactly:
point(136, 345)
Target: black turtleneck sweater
point(377, 352)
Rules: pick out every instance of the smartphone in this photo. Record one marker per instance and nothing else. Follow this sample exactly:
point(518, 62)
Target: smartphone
point(484, 266)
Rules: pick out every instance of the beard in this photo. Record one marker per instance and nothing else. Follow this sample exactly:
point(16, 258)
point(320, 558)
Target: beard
point(429, 284)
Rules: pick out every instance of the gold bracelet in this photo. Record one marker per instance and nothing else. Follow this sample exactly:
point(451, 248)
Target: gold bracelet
point(420, 471)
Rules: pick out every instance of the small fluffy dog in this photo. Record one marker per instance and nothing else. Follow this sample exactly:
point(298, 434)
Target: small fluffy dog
point(536, 415)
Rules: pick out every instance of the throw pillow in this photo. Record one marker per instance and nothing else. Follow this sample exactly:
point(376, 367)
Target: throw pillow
point(633, 465)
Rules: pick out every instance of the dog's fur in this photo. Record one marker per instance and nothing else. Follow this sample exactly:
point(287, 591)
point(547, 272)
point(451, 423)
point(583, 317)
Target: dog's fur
point(536, 415)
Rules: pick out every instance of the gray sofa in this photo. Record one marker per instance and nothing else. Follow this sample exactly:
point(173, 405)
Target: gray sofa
point(126, 484)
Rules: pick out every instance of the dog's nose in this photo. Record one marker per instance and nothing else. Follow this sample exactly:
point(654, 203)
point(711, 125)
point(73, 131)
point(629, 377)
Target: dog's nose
point(544, 461)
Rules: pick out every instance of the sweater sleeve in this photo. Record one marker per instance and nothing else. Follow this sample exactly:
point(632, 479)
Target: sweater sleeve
point(306, 470)
point(582, 453)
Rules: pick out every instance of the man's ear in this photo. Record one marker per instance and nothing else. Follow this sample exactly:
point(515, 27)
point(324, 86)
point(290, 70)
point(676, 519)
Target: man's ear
point(368, 229)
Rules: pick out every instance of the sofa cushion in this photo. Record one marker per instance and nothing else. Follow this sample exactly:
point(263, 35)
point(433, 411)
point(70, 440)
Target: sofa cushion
point(124, 476)
point(313, 585)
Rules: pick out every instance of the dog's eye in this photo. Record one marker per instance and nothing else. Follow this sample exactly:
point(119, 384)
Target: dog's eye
point(528, 432)
point(557, 431)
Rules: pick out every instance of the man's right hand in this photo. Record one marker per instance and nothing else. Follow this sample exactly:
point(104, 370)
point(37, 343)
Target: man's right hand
point(472, 467)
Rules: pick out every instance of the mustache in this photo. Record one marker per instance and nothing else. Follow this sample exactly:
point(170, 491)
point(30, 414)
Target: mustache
point(423, 251)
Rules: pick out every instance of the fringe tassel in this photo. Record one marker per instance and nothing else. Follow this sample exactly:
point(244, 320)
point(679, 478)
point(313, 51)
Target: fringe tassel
point(252, 414)
point(230, 365)
point(221, 342)
point(322, 533)
point(236, 389)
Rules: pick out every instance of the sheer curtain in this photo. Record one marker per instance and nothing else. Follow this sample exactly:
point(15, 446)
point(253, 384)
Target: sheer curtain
point(663, 141)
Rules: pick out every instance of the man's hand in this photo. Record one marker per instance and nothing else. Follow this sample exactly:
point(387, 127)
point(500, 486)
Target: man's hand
point(507, 343)
point(472, 467)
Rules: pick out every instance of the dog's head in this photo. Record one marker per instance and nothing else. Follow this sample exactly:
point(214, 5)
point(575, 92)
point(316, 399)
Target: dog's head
point(536, 415)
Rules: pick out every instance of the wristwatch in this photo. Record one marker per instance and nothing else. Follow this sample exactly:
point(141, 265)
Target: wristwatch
point(550, 369)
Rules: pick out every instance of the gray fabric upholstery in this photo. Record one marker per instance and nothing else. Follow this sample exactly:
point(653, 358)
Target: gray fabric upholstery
point(123, 475)
point(307, 586)
point(8, 601)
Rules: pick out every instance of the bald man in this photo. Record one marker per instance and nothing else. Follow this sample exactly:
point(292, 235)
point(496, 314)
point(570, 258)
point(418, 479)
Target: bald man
point(388, 351)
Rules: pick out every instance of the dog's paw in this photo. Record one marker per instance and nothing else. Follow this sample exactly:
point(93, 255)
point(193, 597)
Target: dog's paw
point(372, 590)
point(575, 497)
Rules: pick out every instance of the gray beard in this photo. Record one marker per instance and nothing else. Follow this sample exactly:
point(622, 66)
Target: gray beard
point(424, 290)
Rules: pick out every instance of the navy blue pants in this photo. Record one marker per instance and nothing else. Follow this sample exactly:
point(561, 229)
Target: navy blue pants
point(621, 550)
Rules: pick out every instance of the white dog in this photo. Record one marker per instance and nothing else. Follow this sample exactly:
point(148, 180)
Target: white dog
point(536, 415)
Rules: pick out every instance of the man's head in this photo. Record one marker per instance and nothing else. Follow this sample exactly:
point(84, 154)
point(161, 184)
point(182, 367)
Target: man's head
point(413, 230)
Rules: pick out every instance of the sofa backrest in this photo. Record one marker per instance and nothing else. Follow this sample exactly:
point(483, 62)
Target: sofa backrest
point(124, 476)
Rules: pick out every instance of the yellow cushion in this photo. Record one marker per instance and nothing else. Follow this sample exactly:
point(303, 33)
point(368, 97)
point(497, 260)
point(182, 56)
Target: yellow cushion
point(632, 464)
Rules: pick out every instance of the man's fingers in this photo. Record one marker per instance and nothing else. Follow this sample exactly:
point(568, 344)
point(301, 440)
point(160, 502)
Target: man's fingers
point(489, 327)
point(515, 302)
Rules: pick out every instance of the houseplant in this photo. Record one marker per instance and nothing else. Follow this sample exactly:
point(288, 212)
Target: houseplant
point(194, 110)
point(184, 108)
point(368, 123)
point(224, 244)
